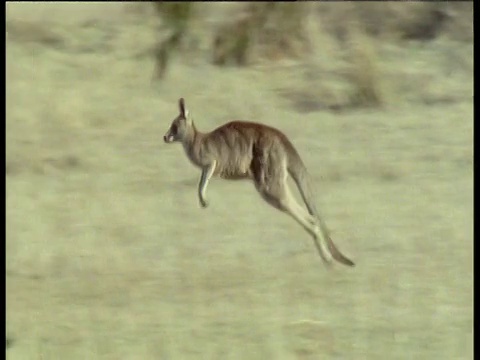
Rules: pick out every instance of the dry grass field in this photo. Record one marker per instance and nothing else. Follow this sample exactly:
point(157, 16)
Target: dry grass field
point(109, 256)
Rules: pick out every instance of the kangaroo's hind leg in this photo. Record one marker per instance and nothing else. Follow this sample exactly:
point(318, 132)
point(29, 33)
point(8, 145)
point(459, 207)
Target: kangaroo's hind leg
point(299, 213)
point(272, 185)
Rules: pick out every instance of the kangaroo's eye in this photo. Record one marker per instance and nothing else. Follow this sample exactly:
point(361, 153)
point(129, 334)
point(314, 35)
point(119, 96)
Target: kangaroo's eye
point(174, 128)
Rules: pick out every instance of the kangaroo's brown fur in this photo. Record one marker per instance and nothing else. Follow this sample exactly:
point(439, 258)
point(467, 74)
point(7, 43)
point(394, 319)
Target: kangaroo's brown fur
point(248, 150)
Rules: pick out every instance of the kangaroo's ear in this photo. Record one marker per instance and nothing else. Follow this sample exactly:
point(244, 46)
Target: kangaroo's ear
point(181, 105)
point(184, 111)
point(187, 116)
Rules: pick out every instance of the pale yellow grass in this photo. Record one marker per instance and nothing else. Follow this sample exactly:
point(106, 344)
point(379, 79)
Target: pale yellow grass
point(108, 255)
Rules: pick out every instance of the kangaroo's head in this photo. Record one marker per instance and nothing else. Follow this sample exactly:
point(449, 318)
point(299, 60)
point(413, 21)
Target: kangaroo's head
point(181, 126)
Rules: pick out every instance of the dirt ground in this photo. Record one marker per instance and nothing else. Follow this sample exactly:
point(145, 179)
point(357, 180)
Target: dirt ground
point(109, 256)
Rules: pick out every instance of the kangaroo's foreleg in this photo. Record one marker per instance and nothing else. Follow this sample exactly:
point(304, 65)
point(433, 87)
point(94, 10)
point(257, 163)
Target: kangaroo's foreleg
point(207, 172)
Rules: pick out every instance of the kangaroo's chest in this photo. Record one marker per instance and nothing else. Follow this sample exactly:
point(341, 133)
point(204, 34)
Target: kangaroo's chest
point(230, 174)
point(234, 167)
point(232, 163)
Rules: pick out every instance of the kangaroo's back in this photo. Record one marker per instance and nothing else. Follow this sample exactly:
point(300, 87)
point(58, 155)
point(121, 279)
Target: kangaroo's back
point(237, 143)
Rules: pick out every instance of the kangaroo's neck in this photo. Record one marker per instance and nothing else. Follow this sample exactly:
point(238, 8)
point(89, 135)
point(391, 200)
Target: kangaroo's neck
point(192, 143)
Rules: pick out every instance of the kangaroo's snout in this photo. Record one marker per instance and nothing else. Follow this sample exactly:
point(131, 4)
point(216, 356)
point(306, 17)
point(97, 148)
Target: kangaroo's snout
point(168, 138)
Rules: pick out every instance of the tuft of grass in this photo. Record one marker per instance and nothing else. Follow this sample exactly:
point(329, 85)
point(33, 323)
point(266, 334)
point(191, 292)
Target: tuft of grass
point(460, 21)
point(269, 30)
point(363, 73)
point(411, 20)
point(232, 42)
point(284, 32)
point(176, 17)
point(33, 32)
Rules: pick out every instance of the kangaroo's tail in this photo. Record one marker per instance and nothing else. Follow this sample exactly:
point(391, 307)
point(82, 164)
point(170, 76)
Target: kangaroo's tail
point(298, 172)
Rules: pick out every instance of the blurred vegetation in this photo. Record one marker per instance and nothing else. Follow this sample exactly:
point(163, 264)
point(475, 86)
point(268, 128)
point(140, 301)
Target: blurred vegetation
point(269, 30)
point(253, 32)
point(339, 39)
point(399, 21)
point(176, 17)
point(363, 73)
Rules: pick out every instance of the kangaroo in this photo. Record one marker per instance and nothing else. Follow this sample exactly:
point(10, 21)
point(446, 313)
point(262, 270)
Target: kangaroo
point(262, 154)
